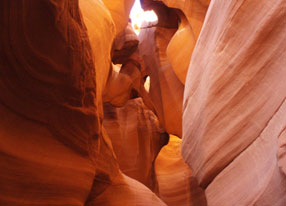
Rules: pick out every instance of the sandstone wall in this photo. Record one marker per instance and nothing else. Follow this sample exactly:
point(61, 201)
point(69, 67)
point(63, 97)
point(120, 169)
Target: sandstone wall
point(55, 60)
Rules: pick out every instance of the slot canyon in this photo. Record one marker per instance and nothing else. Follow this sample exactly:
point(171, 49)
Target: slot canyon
point(187, 108)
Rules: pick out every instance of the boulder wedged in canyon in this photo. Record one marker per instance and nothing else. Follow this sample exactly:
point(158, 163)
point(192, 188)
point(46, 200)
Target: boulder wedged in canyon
point(233, 102)
point(124, 45)
point(55, 61)
point(136, 138)
point(125, 80)
point(120, 85)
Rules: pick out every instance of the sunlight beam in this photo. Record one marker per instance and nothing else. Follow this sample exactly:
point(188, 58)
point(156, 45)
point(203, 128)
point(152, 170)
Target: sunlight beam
point(138, 16)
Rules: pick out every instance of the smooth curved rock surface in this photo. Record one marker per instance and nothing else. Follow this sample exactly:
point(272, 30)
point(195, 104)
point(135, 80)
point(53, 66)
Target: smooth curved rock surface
point(120, 84)
point(38, 169)
point(256, 169)
point(125, 79)
point(137, 138)
point(125, 191)
point(120, 12)
point(55, 60)
point(124, 45)
point(190, 15)
point(176, 184)
point(50, 103)
point(282, 151)
point(166, 91)
point(60, 60)
point(233, 93)
point(180, 49)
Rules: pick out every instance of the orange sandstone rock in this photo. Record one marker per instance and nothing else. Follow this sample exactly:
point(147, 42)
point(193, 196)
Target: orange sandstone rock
point(120, 12)
point(137, 139)
point(234, 102)
point(166, 91)
point(177, 185)
point(55, 60)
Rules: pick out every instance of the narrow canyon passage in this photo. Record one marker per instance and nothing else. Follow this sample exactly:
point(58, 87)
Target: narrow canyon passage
point(142, 103)
point(139, 129)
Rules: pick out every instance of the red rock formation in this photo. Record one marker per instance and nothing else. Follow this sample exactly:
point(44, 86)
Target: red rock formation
point(234, 103)
point(124, 45)
point(50, 121)
point(234, 97)
point(166, 91)
point(192, 14)
point(127, 77)
point(55, 60)
point(282, 151)
point(219, 66)
point(119, 11)
point(136, 138)
point(176, 184)
point(256, 169)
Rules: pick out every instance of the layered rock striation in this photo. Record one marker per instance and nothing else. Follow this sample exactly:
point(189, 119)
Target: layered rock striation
point(79, 126)
point(55, 61)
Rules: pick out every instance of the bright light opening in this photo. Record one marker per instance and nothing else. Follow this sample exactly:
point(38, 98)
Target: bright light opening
point(147, 84)
point(138, 16)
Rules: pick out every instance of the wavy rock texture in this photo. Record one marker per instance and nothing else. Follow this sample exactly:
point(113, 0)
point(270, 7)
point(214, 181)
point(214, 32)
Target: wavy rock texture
point(166, 91)
point(192, 14)
point(124, 45)
point(233, 103)
point(282, 151)
point(55, 60)
point(176, 184)
point(216, 69)
point(125, 77)
point(256, 169)
point(136, 138)
point(120, 12)
point(48, 89)
point(120, 85)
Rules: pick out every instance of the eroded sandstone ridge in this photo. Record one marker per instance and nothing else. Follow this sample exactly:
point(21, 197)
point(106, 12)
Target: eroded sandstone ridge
point(191, 112)
point(234, 102)
point(55, 60)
